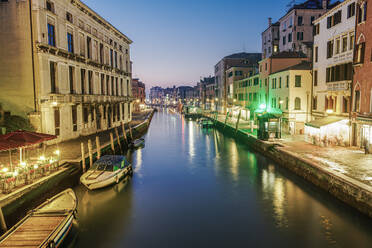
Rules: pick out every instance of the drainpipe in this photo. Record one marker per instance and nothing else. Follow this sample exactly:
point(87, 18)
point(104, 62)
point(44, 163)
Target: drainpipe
point(32, 55)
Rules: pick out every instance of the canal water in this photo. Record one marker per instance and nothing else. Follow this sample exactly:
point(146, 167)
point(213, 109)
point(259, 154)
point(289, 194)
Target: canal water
point(199, 188)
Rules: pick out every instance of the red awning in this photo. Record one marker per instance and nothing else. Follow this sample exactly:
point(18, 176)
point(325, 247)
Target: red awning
point(21, 138)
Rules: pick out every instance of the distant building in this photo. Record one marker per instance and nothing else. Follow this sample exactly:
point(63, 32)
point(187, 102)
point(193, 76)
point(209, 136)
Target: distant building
point(239, 59)
point(139, 93)
point(296, 26)
point(270, 39)
point(185, 94)
point(156, 95)
point(332, 75)
point(64, 67)
point(362, 86)
point(207, 93)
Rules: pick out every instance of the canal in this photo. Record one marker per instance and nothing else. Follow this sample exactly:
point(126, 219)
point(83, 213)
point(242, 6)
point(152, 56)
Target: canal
point(199, 188)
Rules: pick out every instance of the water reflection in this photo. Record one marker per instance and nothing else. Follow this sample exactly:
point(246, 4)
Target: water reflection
point(231, 197)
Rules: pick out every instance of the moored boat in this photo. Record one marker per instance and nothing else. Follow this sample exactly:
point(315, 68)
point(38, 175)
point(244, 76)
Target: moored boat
point(137, 143)
point(108, 170)
point(46, 226)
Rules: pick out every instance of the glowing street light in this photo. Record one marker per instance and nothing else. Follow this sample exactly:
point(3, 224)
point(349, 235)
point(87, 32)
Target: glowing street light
point(329, 111)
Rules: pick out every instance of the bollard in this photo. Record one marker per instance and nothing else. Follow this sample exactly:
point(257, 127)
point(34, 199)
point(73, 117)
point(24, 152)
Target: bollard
point(131, 134)
point(90, 153)
point(112, 143)
point(83, 157)
point(98, 145)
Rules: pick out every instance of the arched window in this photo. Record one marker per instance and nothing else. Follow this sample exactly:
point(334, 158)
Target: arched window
point(297, 103)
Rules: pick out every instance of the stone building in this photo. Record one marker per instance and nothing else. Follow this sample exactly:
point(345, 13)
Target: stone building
point(66, 68)
point(290, 93)
point(156, 95)
point(332, 75)
point(138, 93)
point(362, 81)
point(270, 39)
point(237, 60)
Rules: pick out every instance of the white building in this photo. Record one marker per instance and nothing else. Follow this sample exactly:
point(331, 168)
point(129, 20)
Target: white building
point(290, 92)
point(332, 75)
point(67, 69)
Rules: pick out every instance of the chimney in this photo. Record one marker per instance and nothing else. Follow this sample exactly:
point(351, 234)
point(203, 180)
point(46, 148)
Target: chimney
point(325, 4)
point(270, 21)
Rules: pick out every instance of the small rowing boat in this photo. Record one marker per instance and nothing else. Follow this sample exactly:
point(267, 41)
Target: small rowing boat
point(46, 226)
point(107, 170)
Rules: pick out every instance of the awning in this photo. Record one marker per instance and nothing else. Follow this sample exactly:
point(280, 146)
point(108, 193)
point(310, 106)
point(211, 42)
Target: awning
point(325, 121)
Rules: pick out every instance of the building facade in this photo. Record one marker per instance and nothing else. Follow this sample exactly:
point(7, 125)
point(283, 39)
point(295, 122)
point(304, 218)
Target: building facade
point(270, 39)
point(290, 93)
point(296, 26)
point(65, 63)
point(332, 74)
point(138, 94)
point(239, 59)
point(362, 81)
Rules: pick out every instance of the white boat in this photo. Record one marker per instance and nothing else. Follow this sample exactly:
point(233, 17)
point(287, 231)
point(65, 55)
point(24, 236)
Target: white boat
point(46, 226)
point(137, 143)
point(108, 170)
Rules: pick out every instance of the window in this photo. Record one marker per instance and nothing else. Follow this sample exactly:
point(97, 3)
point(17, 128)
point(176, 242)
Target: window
point(107, 85)
point(51, 35)
point(50, 6)
point(315, 103)
point(340, 72)
point(338, 43)
point(300, 21)
point(74, 118)
point(102, 84)
point(351, 47)
point(111, 58)
point(57, 122)
point(116, 87)
point(112, 86)
point(345, 105)
point(300, 35)
point(70, 42)
point(360, 50)
point(330, 49)
point(85, 115)
point(82, 81)
point(315, 78)
point(357, 101)
point(69, 17)
point(82, 44)
point(53, 77)
point(344, 44)
point(284, 40)
point(286, 103)
point(362, 12)
point(101, 53)
point(92, 110)
point(350, 10)
point(290, 37)
point(116, 59)
point(287, 81)
point(312, 18)
point(297, 103)
point(89, 47)
point(297, 81)
point(335, 19)
point(71, 72)
point(90, 82)
point(316, 29)
point(316, 55)
point(280, 82)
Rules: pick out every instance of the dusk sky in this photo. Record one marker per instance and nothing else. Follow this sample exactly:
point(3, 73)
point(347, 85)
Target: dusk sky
point(178, 41)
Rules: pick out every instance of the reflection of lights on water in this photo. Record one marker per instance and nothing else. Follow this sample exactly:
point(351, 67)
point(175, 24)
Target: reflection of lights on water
point(139, 161)
point(191, 140)
point(234, 161)
point(278, 202)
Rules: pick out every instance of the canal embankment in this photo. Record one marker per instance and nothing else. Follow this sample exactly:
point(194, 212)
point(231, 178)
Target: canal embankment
point(348, 190)
point(113, 141)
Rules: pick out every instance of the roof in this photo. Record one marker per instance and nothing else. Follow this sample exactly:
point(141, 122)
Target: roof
point(244, 56)
point(303, 65)
point(325, 121)
point(288, 54)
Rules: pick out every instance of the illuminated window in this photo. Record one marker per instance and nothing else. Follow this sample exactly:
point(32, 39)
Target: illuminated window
point(297, 103)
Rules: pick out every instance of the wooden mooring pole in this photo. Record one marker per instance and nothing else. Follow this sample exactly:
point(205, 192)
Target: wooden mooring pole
point(227, 117)
point(98, 145)
point(237, 122)
point(112, 143)
point(124, 132)
point(83, 157)
point(131, 134)
point(118, 137)
point(4, 228)
point(90, 151)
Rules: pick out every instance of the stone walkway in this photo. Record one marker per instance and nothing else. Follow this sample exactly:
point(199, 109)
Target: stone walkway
point(350, 161)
